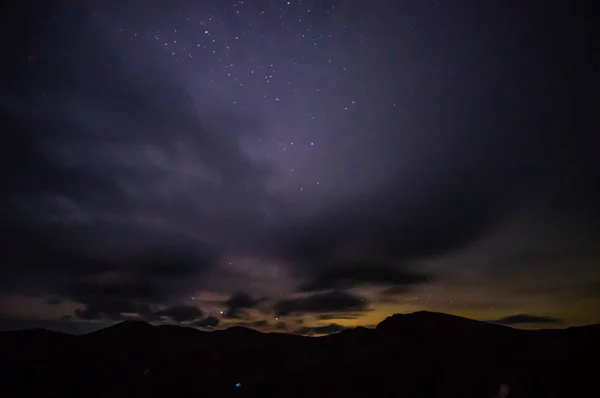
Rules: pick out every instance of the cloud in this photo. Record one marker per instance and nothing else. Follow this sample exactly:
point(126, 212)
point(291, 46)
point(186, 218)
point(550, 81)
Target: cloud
point(334, 301)
point(120, 309)
point(79, 261)
point(208, 322)
point(379, 233)
point(327, 329)
point(237, 303)
point(173, 262)
point(281, 326)
point(112, 310)
point(524, 319)
point(134, 285)
point(396, 290)
point(590, 289)
point(181, 313)
point(390, 294)
point(430, 220)
point(112, 172)
point(259, 323)
point(326, 317)
point(353, 274)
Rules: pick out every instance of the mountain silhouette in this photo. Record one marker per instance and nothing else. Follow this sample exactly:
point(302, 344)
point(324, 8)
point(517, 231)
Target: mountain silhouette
point(423, 354)
point(123, 329)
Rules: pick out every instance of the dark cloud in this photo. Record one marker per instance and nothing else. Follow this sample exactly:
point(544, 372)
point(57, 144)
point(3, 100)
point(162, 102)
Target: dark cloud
point(348, 275)
point(173, 262)
point(118, 288)
point(181, 313)
point(334, 301)
point(391, 294)
point(395, 226)
point(239, 302)
point(86, 261)
point(396, 290)
point(208, 322)
point(93, 183)
point(438, 201)
point(260, 323)
point(590, 289)
point(327, 329)
point(281, 326)
point(327, 317)
point(132, 288)
point(428, 221)
point(526, 319)
point(112, 309)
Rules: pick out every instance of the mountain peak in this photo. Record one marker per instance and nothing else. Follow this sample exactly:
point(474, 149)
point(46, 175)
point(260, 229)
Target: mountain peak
point(417, 315)
point(241, 330)
point(128, 327)
point(133, 323)
point(431, 321)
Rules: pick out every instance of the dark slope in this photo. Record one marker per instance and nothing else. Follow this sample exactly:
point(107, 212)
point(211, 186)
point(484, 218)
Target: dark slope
point(436, 321)
point(413, 355)
point(123, 329)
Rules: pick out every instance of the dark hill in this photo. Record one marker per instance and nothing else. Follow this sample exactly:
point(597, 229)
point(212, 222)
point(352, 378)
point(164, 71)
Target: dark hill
point(240, 331)
point(23, 344)
point(423, 354)
point(123, 329)
point(437, 323)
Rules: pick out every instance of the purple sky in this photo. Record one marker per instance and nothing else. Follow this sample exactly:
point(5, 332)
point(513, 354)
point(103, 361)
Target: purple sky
point(316, 162)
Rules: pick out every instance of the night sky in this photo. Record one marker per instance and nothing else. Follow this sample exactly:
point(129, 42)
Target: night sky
point(298, 166)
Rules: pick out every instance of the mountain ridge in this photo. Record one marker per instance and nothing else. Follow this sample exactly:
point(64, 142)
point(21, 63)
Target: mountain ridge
point(398, 320)
point(418, 355)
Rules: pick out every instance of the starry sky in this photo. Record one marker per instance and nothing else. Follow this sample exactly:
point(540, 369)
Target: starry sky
point(298, 166)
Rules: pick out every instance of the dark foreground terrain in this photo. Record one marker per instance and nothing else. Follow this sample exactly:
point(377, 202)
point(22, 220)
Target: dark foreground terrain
point(416, 355)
